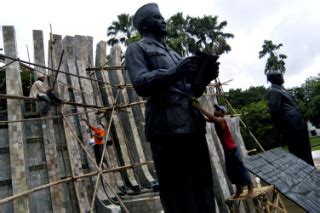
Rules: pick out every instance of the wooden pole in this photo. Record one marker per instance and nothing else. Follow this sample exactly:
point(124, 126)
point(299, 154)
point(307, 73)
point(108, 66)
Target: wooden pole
point(5, 96)
point(58, 70)
point(106, 68)
point(68, 179)
point(72, 174)
point(220, 84)
point(16, 196)
point(54, 70)
point(94, 163)
point(119, 107)
point(99, 168)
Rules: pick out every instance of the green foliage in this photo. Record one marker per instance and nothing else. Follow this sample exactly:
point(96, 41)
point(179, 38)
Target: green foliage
point(315, 143)
point(275, 62)
point(26, 80)
point(239, 98)
point(206, 33)
point(121, 31)
point(185, 35)
point(308, 98)
point(177, 39)
point(257, 118)
point(252, 103)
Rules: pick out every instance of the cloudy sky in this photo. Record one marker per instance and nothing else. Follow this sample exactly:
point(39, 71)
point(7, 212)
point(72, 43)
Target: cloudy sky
point(294, 23)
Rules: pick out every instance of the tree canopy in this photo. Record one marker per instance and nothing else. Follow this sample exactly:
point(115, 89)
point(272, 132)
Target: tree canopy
point(308, 98)
point(275, 61)
point(185, 35)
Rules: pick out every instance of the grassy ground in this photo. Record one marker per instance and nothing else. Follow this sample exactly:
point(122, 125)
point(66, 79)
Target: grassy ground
point(315, 143)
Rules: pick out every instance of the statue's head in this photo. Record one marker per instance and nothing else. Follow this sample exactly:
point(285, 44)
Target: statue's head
point(275, 78)
point(148, 19)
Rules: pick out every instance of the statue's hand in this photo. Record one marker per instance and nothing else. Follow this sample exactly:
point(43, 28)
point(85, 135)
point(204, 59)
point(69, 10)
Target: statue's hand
point(188, 66)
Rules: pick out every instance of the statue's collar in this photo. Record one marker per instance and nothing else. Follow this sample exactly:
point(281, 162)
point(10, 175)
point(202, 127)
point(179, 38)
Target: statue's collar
point(277, 86)
point(150, 40)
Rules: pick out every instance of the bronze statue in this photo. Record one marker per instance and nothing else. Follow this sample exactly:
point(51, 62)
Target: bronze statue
point(175, 129)
point(288, 118)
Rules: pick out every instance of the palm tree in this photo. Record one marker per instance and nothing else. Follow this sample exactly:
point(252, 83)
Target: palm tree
point(121, 31)
point(207, 35)
point(275, 62)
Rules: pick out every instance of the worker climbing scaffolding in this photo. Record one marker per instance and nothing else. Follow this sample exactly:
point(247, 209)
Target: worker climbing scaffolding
point(38, 90)
point(99, 135)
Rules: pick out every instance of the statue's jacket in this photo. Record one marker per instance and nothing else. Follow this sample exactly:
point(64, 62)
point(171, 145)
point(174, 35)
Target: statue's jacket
point(169, 111)
point(284, 110)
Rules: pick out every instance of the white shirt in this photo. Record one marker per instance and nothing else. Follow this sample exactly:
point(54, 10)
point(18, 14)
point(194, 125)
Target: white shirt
point(37, 89)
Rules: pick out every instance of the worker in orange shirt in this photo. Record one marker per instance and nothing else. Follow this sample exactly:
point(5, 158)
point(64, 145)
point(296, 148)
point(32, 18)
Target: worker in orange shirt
point(98, 136)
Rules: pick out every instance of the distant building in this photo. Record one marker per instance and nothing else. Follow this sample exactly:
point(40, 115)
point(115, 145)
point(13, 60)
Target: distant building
point(313, 131)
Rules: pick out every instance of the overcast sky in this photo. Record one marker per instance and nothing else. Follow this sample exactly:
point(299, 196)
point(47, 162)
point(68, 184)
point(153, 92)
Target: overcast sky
point(294, 23)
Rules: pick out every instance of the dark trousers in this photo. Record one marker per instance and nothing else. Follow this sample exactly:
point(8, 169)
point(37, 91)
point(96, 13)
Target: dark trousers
point(49, 98)
point(54, 98)
point(46, 106)
point(183, 168)
point(98, 150)
point(299, 145)
point(237, 173)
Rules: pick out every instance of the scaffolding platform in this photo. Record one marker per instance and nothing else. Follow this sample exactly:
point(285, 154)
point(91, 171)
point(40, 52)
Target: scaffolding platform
point(266, 199)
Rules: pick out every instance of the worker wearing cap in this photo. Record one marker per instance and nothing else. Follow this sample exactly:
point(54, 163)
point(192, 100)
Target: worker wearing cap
point(236, 171)
point(288, 118)
point(175, 130)
point(38, 90)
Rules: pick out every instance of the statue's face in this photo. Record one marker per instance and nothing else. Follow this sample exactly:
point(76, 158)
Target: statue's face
point(155, 24)
point(277, 80)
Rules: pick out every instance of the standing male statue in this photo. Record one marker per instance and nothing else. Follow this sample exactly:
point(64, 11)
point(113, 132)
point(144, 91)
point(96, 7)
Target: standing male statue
point(288, 118)
point(175, 129)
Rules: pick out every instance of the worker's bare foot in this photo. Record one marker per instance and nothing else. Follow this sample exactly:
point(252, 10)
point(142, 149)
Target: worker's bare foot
point(238, 193)
point(250, 191)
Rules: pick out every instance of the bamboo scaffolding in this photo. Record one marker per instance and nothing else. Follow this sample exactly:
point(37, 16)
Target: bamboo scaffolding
point(103, 109)
point(99, 170)
point(100, 164)
point(219, 84)
point(73, 175)
point(97, 167)
point(67, 179)
point(55, 70)
point(5, 96)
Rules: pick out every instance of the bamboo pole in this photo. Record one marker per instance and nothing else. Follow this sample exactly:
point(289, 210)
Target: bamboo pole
point(54, 70)
point(67, 179)
point(99, 108)
point(220, 84)
point(119, 107)
point(72, 174)
point(106, 68)
point(94, 163)
point(100, 164)
point(99, 170)
point(16, 196)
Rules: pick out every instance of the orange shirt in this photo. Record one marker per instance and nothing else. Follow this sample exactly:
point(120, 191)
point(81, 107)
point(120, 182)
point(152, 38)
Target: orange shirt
point(99, 132)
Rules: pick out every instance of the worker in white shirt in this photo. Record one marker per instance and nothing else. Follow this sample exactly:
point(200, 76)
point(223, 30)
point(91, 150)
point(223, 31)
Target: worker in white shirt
point(39, 90)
